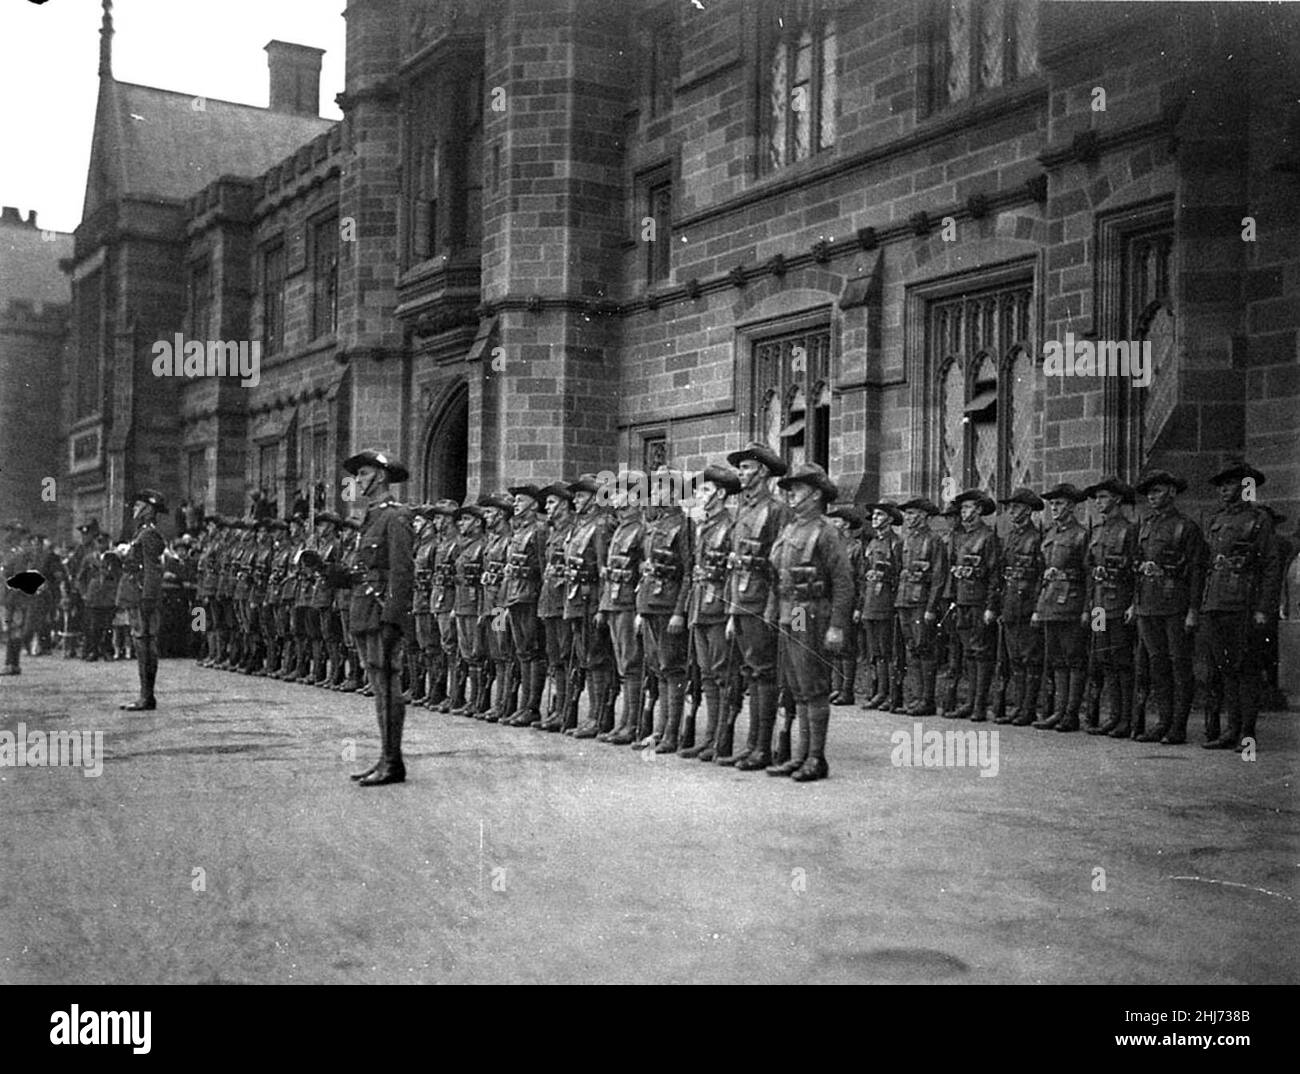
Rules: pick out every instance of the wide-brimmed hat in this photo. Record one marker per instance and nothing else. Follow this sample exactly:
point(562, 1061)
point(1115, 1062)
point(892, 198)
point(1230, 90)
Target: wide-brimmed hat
point(533, 491)
point(443, 507)
point(90, 526)
point(759, 452)
point(277, 524)
point(723, 476)
point(397, 473)
point(556, 488)
point(851, 514)
point(1237, 472)
point(809, 473)
point(470, 509)
point(327, 516)
point(978, 497)
point(1159, 477)
point(1114, 486)
point(1027, 496)
point(891, 509)
point(499, 500)
point(1064, 491)
point(586, 483)
point(153, 498)
point(919, 503)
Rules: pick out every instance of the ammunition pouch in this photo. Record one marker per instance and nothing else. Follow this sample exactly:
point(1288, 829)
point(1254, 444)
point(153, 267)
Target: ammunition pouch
point(1058, 574)
point(1235, 563)
point(801, 584)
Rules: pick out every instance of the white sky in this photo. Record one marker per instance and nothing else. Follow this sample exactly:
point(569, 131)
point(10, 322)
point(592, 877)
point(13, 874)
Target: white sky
point(49, 58)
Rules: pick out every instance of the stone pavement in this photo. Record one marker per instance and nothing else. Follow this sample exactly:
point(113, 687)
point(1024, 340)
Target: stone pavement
point(224, 842)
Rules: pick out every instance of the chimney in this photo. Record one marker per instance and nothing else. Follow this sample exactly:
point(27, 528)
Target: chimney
point(295, 77)
point(31, 218)
point(10, 215)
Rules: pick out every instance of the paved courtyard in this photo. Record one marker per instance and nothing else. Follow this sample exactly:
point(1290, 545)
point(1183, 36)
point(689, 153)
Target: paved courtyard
point(223, 842)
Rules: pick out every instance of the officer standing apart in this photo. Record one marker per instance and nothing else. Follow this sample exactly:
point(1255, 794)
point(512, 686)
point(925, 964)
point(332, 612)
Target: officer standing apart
point(381, 603)
point(812, 608)
point(140, 591)
point(1241, 591)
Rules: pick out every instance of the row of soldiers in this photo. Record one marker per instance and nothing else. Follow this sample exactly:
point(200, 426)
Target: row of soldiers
point(543, 592)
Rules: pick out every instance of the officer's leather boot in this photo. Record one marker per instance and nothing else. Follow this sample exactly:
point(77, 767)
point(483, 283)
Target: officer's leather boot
point(800, 755)
point(145, 700)
point(764, 704)
point(711, 714)
point(1060, 698)
point(815, 767)
point(391, 768)
point(676, 701)
point(381, 715)
point(600, 684)
point(1077, 684)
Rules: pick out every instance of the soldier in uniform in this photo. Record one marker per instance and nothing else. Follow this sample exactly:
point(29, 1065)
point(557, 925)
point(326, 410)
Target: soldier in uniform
point(320, 596)
point(208, 570)
point(140, 591)
point(273, 573)
point(849, 520)
point(495, 622)
point(422, 654)
point(259, 576)
point(99, 597)
point(760, 517)
point(1241, 591)
point(468, 599)
point(975, 570)
point(812, 607)
point(85, 578)
point(1112, 566)
point(14, 603)
point(882, 563)
point(592, 655)
point(350, 564)
point(661, 604)
point(706, 608)
point(381, 604)
point(619, 577)
point(442, 603)
point(284, 625)
point(525, 560)
point(1060, 607)
point(550, 603)
point(1170, 564)
point(923, 572)
point(239, 590)
point(1021, 638)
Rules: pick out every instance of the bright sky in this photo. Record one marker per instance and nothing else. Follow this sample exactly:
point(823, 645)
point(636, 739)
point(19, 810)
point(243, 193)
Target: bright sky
point(49, 56)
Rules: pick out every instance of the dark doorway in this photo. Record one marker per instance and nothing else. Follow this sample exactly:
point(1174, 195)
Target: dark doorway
point(446, 455)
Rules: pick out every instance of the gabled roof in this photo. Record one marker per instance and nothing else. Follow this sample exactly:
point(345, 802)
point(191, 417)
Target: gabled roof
point(166, 144)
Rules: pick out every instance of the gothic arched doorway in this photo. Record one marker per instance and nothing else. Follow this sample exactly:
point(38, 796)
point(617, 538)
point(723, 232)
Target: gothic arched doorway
point(446, 451)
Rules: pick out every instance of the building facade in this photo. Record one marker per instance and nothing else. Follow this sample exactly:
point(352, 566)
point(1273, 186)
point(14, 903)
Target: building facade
point(554, 236)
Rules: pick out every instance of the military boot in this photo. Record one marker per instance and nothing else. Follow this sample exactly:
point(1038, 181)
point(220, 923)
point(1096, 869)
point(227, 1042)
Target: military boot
point(1163, 723)
point(1182, 702)
point(419, 677)
point(1060, 698)
point(470, 685)
point(532, 682)
point(686, 738)
point(764, 702)
point(600, 686)
point(1015, 696)
point(673, 716)
point(625, 729)
point(882, 693)
point(796, 760)
point(815, 767)
point(711, 715)
point(1077, 684)
point(577, 681)
point(1230, 739)
point(391, 768)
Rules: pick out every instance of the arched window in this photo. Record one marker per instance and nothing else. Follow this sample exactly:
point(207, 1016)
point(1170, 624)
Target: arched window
point(784, 366)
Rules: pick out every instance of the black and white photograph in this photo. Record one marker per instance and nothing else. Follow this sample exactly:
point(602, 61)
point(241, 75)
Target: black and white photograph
point(689, 492)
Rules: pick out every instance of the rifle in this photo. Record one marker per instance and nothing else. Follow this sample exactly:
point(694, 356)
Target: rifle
point(998, 702)
point(693, 685)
